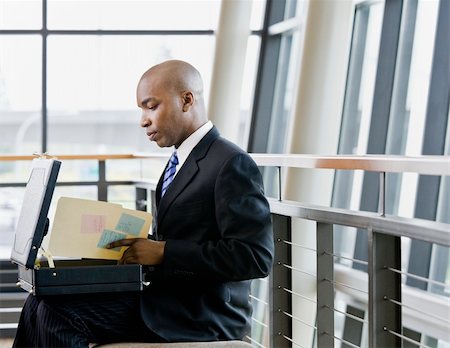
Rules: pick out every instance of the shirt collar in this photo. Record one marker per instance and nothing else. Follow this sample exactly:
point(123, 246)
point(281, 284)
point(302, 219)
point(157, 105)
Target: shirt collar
point(188, 145)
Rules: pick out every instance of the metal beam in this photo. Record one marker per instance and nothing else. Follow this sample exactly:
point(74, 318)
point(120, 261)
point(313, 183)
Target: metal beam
point(280, 278)
point(384, 285)
point(325, 288)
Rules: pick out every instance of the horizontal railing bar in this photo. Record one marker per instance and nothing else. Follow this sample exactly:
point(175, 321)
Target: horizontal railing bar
point(407, 338)
point(8, 326)
point(342, 340)
point(418, 310)
point(11, 310)
point(299, 320)
point(98, 157)
point(425, 230)
point(299, 295)
point(259, 322)
point(430, 165)
point(427, 280)
point(354, 317)
point(258, 299)
point(255, 342)
point(104, 32)
point(347, 258)
point(299, 245)
point(263, 280)
point(75, 183)
point(345, 285)
point(8, 285)
point(299, 270)
point(412, 297)
point(292, 341)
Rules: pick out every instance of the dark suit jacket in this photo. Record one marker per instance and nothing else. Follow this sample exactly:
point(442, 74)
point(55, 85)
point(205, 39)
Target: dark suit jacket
point(217, 226)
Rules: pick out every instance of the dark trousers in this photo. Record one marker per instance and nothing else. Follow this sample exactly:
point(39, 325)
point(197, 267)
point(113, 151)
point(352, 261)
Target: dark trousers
point(77, 320)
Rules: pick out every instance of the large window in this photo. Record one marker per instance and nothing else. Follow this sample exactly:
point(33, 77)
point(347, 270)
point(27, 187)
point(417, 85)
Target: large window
point(396, 103)
point(68, 76)
point(281, 49)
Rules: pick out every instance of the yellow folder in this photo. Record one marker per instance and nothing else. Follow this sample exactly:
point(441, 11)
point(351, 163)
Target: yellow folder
point(82, 228)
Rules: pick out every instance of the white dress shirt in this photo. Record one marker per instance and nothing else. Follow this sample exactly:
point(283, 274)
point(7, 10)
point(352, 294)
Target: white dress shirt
point(188, 145)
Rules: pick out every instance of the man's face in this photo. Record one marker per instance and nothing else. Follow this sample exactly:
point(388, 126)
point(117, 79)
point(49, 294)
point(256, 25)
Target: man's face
point(162, 112)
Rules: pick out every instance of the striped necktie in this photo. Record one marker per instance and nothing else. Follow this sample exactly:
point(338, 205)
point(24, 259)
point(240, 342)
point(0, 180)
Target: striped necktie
point(169, 173)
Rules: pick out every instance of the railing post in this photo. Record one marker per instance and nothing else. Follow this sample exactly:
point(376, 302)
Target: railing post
point(325, 288)
point(141, 198)
point(279, 184)
point(102, 193)
point(384, 285)
point(280, 278)
point(382, 195)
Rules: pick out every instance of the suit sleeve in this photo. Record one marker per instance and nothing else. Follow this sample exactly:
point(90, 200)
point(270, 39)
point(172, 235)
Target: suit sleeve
point(245, 249)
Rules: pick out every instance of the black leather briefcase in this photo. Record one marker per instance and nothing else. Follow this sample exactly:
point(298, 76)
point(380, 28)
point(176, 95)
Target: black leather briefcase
point(57, 277)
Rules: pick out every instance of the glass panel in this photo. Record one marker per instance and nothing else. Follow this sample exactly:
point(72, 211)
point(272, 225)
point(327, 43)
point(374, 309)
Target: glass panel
point(248, 88)
point(78, 170)
point(282, 106)
point(10, 205)
point(419, 79)
point(291, 8)
point(92, 104)
point(440, 265)
point(361, 79)
point(20, 94)
point(356, 116)
point(138, 15)
point(260, 299)
point(410, 96)
point(123, 195)
point(357, 104)
point(14, 171)
point(283, 96)
point(20, 14)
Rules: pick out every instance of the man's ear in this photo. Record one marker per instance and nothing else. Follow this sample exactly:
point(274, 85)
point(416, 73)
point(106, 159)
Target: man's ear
point(188, 100)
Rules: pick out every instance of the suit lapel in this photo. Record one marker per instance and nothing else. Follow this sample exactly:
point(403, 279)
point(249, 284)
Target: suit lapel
point(186, 174)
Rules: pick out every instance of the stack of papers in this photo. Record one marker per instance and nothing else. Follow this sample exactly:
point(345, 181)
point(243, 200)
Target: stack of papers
point(82, 228)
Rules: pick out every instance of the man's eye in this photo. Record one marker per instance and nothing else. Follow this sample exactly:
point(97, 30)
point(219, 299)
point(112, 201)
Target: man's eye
point(152, 107)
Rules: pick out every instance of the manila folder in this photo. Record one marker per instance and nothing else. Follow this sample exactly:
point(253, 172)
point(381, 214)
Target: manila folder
point(82, 228)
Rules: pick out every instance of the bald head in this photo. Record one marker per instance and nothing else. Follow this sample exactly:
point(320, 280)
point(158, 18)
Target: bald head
point(170, 95)
point(177, 76)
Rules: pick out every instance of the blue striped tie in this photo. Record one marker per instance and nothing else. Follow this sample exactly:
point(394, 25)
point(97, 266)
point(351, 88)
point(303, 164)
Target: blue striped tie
point(169, 173)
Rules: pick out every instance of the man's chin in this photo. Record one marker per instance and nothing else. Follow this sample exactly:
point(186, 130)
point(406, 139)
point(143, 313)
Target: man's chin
point(162, 143)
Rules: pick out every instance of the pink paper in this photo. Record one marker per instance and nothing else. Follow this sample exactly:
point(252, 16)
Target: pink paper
point(92, 223)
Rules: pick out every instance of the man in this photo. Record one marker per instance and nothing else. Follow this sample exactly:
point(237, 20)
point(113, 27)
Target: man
point(212, 233)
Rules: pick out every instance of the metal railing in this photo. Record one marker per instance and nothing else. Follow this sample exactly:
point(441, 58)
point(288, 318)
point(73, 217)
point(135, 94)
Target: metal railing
point(390, 303)
point(382, 290)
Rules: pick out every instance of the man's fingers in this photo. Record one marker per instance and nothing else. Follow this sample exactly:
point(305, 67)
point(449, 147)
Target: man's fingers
point(121, 242)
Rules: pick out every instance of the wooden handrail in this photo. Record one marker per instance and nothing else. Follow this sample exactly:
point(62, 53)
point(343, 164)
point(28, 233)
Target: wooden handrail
point(428, 165)
point(98, 157)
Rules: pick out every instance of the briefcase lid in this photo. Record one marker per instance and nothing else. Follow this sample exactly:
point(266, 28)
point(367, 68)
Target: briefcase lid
point(32, 223)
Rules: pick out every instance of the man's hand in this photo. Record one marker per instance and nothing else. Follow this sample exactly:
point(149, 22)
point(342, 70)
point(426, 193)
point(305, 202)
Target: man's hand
point(141, 250)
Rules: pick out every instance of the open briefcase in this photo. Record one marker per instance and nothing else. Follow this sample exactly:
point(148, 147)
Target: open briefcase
point(60, 276)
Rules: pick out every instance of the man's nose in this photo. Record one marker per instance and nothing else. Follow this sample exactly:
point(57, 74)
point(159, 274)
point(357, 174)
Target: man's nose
point(145, 120)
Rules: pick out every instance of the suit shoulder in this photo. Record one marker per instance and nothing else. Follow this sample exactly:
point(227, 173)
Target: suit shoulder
point(227, 148)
